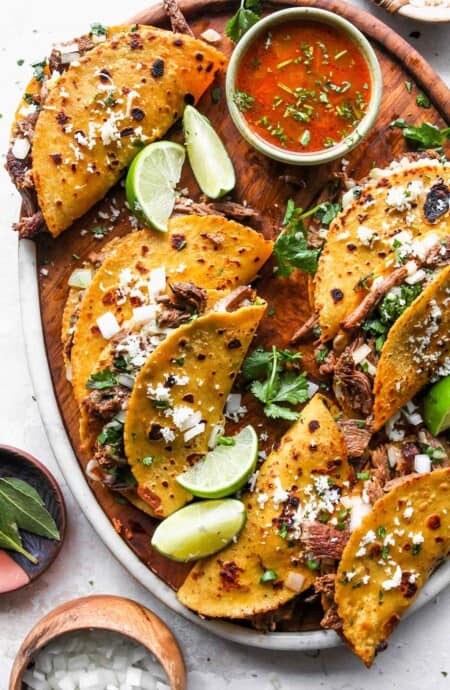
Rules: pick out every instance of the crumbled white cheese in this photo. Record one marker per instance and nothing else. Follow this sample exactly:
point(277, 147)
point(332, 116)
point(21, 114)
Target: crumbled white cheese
point(408, 512)
point(279, 494)
point(395, 580)
point(262, 499)
point(159, 393)
point(422, 463)
point(185, 418)
point(168, 434)
point(366, 235)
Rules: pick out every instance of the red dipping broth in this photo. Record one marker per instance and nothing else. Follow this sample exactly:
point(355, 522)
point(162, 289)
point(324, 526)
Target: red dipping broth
point(303, 86)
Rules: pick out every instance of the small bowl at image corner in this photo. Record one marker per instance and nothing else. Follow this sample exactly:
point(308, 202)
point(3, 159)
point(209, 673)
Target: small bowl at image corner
point(16, 571)
point(104, 613)
point(297, 15)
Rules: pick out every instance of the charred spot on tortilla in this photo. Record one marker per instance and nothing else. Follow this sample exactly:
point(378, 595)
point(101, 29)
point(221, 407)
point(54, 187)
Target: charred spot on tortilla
point(157, 69)
point(189, 99)
point(313, 425)
point(137, 114)
point(437, 202)
point(56, 158)
point(337, 295)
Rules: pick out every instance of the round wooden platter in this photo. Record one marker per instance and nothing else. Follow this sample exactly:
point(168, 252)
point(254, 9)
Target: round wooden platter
point(266, 186)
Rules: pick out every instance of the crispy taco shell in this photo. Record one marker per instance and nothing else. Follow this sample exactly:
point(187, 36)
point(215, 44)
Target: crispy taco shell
point(349, 258)
point(416, 347)
point(228, 584)
point(216, 253)
point(125, 92)
point(202, 358)
point(389, 557)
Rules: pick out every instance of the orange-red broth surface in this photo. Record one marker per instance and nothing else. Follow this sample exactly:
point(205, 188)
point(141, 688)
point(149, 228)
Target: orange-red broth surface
point(303, 86)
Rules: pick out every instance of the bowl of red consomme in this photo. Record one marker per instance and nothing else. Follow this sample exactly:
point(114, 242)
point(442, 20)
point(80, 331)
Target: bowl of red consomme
point(304, 86)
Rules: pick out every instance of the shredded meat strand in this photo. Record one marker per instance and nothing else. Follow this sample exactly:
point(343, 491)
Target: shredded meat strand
point(374, 297)
point(306, 331)
point(189, 297)
point(323, 541)
point(177, 18)
point(356, 435)
point(325, 584)
point(30, 226)
point(355, 388)
point(104, 404)
point(379, 475)
point(225, 208)
point(234, 300)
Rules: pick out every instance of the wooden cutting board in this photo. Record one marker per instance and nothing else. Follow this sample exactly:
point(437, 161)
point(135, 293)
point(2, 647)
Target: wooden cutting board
point(263, 184)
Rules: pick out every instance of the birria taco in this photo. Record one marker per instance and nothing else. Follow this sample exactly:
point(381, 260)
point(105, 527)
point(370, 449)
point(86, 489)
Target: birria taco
point(301, 482)
point(84, 119)
point(178, 400)
point(386, 219)
point(209, 251)
point(389, 557)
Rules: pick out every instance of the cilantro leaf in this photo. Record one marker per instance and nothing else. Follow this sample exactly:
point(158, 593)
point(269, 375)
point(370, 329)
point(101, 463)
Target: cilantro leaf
point(39, 69)
point(259, 362)
point(427, 135)
point(280, 385)
point(246, 16)
point(101, 380)
point(291, 251)
point(274, 411)
point(327, 212)
point(98, 29)
point(292, 389)
point(422, 100)
point(389, 310)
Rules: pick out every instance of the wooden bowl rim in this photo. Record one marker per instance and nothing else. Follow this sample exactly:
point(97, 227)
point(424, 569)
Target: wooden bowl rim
point(31, 460)
point(66, 617)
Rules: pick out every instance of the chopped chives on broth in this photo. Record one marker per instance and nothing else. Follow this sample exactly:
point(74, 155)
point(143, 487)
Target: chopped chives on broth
point(305, 87)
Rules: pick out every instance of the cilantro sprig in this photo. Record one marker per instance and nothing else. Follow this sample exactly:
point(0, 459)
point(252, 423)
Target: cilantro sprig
point(389, 310)
point(291, 249)
point(279, 387)
point(101, 380)
point(425, 135)
point(247, 15)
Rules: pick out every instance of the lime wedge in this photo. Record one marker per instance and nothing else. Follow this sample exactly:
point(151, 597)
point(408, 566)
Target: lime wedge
point(225, 469)
point(207, 155)
point(200, 529)
point(151, 181)
point(436, 407)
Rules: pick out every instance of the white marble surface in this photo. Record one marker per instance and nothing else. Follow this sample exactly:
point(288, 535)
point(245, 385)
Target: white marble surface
point(418, 656)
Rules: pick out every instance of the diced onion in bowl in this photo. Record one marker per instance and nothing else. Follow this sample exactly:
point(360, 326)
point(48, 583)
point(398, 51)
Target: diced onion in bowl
point(108, 325)
point(81, 278)
point(294, 581)
point(422, 463)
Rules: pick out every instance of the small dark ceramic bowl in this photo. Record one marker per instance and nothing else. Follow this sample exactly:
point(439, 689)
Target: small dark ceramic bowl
point(16, 571)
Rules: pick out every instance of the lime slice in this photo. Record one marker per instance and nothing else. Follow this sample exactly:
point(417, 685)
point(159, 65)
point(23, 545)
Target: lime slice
point(207, 155)
point(200, 529)
point(225, 469)
point(437, 407)
point(151, 181)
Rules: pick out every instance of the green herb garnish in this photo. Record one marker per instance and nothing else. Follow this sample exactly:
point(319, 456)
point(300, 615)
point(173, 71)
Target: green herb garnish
point(101, 380)
point(98, 29)
point(423, 101)
point(267, 576)
point(247, 15)
point(39, 70)
point(244, 101)
point(291, 247)
point(226, 441)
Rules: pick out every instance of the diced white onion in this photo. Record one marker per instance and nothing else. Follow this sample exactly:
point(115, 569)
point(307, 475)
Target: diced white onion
point(371, 370)
point(359, 511)
point(394, 455)
point(217, 431)
point(144, 314)
point(411, 267)
point(81, 278)
point(294, 581)
point(422, 463)
point(211, 36)
point(108, 325)
point(69, 372)
point(126, 380)
point(194, 431)
point(392, 433)
point(312, 388)
point(66, 58)
point(157, 283)
point(120, 416)
point(93, 470)
point(361, 353)
point(20, 148)
point(416, 277)
point(233, 403)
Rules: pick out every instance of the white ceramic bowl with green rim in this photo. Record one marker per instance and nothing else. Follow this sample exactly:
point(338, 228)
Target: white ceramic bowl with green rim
point(298, 14)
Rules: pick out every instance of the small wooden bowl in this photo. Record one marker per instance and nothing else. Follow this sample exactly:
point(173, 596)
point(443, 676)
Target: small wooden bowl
point(104, 612)
point(17, 571)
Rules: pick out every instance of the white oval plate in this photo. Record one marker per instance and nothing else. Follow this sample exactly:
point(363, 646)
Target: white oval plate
point(68, 463)
point(425, 14)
